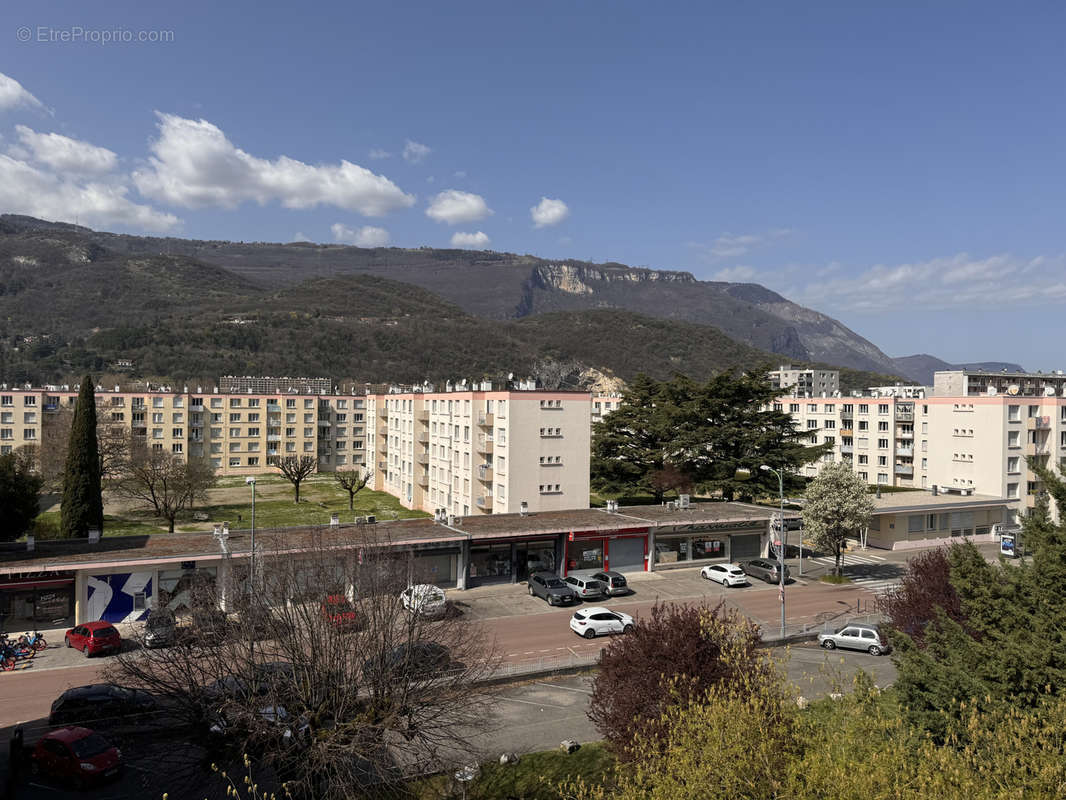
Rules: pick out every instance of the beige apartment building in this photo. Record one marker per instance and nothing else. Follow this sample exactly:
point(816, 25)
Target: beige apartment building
point(478, 450)
point(237, 431)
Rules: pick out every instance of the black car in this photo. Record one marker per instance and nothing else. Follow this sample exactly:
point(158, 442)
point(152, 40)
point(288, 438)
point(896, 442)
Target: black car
point(616, 582)
point(101, 704)
point(417, 660)
point(552, 588)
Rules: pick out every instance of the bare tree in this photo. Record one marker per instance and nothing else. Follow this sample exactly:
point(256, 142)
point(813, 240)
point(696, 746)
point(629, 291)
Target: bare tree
point(163, 481)
point(113, 444)
point(295, 469)
point(321, 673)
point(351, 481)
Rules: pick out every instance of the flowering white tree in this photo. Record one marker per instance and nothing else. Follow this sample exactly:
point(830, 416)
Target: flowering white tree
point(838, 504)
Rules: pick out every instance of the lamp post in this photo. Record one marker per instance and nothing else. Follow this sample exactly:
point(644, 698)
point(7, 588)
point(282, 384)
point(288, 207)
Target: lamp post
point(251, 569)
point(781, 548)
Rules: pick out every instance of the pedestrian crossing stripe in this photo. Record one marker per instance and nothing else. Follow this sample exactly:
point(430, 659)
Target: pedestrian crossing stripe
point(848, 560)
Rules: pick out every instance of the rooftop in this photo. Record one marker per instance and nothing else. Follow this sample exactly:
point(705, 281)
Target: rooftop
point(52, 555)
point(922, 500)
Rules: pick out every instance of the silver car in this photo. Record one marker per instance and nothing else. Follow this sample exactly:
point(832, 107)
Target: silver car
point(855, 636)
point(763, 569)
point(587, 587)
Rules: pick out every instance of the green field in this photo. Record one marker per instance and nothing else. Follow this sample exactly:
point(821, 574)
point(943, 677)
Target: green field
point(231, 501)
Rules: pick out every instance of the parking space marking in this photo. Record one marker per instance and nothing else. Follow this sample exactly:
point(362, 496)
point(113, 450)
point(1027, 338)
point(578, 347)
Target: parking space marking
point(534, 703)
point(564, 688)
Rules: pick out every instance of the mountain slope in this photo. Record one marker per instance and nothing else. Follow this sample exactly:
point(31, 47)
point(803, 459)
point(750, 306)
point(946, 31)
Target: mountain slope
point(508, 286)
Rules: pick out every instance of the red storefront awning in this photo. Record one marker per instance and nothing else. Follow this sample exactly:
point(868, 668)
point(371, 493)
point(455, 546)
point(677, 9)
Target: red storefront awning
point(36, 583)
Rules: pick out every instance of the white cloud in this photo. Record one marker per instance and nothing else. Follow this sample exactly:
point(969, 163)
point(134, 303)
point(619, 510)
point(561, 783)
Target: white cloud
point(378, 153)
point(730, 245)
point(470, 240)
point(737, 274)
point(194, 165)
point(65, 154)
point(26, 189)
point(454, 207)
point(994, 282)
point(414, 152)
point(548, 212)
point(13, 94)
point(300, 236)
point(367, 236)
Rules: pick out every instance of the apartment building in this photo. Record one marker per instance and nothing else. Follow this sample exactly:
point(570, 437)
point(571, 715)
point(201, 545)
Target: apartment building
point(803, 381)
point(604, 404)
point(882, 433)
point(239, 432)
point(479, 450)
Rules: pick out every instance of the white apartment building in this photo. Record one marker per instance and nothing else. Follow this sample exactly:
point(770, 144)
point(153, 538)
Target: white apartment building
point(803, 381)
point(480, 451)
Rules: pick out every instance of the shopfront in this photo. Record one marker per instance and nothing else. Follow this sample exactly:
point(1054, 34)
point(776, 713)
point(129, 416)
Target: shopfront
point(511, 560)
point(697, 544)
point(593, 551)
point(36, 599)
point(435, 566)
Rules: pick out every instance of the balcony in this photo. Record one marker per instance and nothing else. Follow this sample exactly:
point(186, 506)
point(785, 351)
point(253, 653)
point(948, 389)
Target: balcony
point(485, 420)
point(273, 437)
point(422, 458)
point(484, 444)
point(904, 469)
point(423, 437)
point(422, 415)
point(904, 416)
point(423, 477)
point(847, 432)
point(382, 466)
point(1037, 449)
point(904, 450)
point(484, 472)
point(485, 502)
point(384, 430)
point(847, 449)
point(1038, 423)
point(904, 434)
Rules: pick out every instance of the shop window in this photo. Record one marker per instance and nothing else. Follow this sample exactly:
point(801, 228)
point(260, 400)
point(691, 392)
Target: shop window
point(708, 548)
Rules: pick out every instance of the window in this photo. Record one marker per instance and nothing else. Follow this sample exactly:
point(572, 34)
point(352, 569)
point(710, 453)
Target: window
point(830, 424)
point(235, 402)
point(882, 426)
point(864, 459)
point(1012, 490)
point(882, 444)
point(1014, 439)
point(812, 424)
point(235, 462)
point(253, 431)
point(1014, 413)
point(177, 418)
point(1033, 411)
point(864, 425)
point(7, 400)
point(1013, 464)
point(812, 408)
point(177, 433)
point(157, 419)
point(793, 408)
point(882, 461)
point(176, 447)
point(882, 408)
point(882, 477)
point(253, 418)
point(253, 461)
point(864, 408)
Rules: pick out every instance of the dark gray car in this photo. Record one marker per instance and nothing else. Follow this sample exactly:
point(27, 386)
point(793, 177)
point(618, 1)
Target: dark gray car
point(552, 588)
point(763, 569)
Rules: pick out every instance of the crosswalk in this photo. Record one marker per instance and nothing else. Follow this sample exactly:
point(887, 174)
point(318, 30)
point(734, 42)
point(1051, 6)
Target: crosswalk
point(874, 582)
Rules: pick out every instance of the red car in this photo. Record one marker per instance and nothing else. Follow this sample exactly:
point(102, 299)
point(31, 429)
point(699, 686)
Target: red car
point(338, 609)
point(77, 755)
point(94, 637)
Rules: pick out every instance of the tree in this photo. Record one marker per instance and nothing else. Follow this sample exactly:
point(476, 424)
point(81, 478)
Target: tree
point(673, 656)
point(113, 443)
point(164, 482)
point(838, 504)
point(82, 507)
point(369, 690)
point(19, 502)
point(352, 482)
point(925, 587)
point(296, 469)
point(630, 444)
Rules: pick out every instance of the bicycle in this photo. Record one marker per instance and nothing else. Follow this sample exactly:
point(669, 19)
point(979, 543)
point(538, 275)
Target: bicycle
point(34, 640)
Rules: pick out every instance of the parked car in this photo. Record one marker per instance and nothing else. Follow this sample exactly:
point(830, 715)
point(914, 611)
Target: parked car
point(615, 582)
point(160, 629)
point(725, 574)
point(76, 755)
point(94, 637)
point(857, 637)
point(598, 621)
point(764, 569)
point(338, 609)
point(552, 588)
point(587, 587)
point(425, 599)
point(102, 702)
point(417, 660)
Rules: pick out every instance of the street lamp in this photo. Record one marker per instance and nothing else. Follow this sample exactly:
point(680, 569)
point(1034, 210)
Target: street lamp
point(251, 568)
point(781, 547)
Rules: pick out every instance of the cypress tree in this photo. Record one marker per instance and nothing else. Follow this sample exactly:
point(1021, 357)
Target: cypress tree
point(83, 505)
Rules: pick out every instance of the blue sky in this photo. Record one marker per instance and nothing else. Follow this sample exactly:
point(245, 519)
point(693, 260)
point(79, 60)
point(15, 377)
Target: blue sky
point(900, 168)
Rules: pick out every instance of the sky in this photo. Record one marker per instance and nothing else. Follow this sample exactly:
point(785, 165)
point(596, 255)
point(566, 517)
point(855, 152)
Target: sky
point(898, 166)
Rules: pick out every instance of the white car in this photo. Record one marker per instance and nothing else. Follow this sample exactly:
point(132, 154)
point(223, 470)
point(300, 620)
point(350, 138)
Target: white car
point(599, 621)
point(725, 574)
point(425, 599)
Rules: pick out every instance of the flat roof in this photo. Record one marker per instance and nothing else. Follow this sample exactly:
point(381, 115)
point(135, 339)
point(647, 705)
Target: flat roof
point(923, 501)
point(163, 548)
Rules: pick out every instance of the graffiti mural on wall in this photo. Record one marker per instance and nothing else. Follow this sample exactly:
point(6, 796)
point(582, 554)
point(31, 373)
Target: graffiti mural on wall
point(119, 597)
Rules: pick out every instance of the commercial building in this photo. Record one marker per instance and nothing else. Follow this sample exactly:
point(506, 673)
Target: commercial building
point(480, 450)
point(121, 578)
point(909, 520)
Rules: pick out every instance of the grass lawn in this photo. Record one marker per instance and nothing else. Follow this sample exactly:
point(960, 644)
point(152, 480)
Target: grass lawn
point(532, 778)
point(231, 501)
